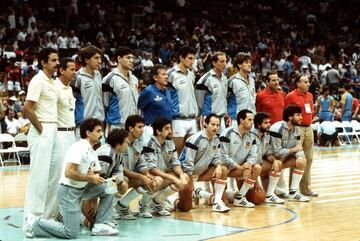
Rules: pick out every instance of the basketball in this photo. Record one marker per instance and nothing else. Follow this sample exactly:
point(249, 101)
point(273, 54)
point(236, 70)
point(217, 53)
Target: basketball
point(256, 196)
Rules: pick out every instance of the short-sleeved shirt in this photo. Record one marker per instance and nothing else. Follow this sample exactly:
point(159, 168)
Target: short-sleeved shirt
point(304, 101)
point(83, 154)
point(271, 103)
point(65, 105)
point(43, 91)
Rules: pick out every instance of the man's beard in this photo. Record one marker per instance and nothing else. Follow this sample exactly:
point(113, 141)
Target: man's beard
point(263, 130)
point(295, 123)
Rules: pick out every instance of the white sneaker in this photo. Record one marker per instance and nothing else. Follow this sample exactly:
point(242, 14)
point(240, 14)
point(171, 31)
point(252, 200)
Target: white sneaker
point(298, 197)
point(102, 229)
point(144, 211)
point(28, 228)
point(168, 206)
point(220, 207)
point(123, 212)
point(159, 209)
point(274, 199)
point(243, 202)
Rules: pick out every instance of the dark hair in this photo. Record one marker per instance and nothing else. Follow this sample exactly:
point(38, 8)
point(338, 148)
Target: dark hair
point(271, 72)
point(44, 55)
point(63, 63)
point(122, 51)
point(215, 57)
point(298, 77)
point(159, 123)
point(185, 50)
point(240, 58)
point(88, 52)
point(117, 136)
point(325, 88)
point(260, 117)
point(242, 115)
point(155, 71)
point(290, 111)
point(132, 120)
point(88, 125)
point(208, 117)
point(347, 87)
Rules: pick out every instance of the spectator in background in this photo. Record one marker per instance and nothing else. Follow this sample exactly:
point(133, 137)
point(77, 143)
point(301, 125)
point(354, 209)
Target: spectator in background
point(325, 105)
point(12, 124)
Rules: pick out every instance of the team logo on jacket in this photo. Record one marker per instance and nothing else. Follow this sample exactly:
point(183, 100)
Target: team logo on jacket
point(136, 156)
point(247, 145)
point(158, 98)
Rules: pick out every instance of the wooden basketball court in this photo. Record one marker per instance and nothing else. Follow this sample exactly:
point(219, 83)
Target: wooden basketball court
point(334, 215)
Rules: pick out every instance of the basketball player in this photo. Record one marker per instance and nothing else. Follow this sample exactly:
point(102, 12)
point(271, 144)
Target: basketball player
point(239, 149)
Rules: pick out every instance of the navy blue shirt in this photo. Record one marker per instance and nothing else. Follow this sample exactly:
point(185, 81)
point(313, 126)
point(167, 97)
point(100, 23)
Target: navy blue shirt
point(154, 102)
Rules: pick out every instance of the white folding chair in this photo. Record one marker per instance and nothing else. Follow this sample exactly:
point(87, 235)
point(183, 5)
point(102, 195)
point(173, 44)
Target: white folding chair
point(350, 130)
point(356, 129)
point(12, 150)
point(341, 132)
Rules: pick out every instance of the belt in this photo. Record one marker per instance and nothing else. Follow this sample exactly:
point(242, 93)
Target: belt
point(184, 117)
point(66, 128)
point(49, 122)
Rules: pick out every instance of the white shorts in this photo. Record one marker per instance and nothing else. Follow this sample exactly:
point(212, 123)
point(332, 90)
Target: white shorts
point(181, 128)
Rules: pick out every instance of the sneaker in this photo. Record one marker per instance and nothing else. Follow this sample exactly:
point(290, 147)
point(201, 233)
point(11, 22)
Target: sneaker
point(274, 199)
point(220, 207)
point(196, 197)
point(243, 202)
point(159, 209)
point(29, 225)
point(102, 229)
point(144, 211)
point(123, 212)
point(111, 224)
point(168, 206)
point(298, 197)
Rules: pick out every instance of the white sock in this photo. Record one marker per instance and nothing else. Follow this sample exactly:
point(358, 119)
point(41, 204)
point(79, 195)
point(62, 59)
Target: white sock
point(145, 200)
point(206, 186)
point(296, 177)
point(231, 183)
point(173, 199)
point(163, 194)
point(208, 196)
point(230, 195)
point(248, 183)
point(273, 180)
point(128, 197)
point(219, 188)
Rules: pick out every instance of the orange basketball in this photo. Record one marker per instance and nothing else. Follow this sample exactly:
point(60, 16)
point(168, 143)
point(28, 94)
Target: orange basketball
point(256, 196)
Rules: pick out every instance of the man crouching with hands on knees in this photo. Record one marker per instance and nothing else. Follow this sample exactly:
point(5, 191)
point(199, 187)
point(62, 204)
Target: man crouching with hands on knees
point(78, 181)
point(202, 161)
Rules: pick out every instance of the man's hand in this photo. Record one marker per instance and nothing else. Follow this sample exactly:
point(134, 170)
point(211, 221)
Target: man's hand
point(96, 179)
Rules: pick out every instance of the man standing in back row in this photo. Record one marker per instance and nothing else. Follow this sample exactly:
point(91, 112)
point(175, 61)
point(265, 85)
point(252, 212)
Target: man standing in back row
point(40, 109)
point(185, 109)
point(304, 99)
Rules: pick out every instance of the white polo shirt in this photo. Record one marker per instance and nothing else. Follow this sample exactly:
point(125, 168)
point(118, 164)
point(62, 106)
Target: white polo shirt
point(43, 91)
point(83, 154)
point(65, 105)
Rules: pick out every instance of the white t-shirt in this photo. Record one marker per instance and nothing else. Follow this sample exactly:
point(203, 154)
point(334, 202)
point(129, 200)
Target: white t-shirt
point(83, 154)
point(62, 42)
point(12, 126)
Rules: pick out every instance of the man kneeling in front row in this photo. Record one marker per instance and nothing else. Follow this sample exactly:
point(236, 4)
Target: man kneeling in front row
point(78, 181)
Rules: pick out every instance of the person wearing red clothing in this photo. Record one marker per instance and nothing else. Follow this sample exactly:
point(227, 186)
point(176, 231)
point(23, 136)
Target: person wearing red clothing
point(304, 99)
point(271, 99)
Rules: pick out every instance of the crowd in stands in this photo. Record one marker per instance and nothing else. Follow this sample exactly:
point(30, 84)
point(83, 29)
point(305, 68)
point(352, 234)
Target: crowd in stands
point(318, 38)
